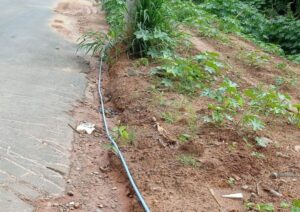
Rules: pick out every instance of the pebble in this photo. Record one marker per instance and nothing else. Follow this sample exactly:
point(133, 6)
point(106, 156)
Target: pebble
point(70, 193)
point(114, 188)
point(245, 187)
point(156, 189)
point(113, 206)
point(297, 148)
point(77, 205)
point(100, 206)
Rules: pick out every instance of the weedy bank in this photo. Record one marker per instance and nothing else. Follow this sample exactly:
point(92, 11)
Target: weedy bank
point(204, 105)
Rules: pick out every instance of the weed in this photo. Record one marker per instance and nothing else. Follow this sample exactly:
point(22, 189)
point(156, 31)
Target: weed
point(290, 81)
point(254, 59)
point(141, 62)
point(260, 207)
point(184, 137)
point(188, 75)
point(92, 42)
point(123, 135)
point(268, 101)
point(258, 155)
point(284, 205)
point(261, 142)
point(169, 117)
point(232, 146)
point(295, 205)
point(231, 181)
point(188, 160)
point(294, 117)
point(265, 207)
point(110, 147)
point(282, 66)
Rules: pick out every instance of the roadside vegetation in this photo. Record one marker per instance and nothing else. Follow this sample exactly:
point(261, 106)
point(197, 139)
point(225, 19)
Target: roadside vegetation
point(157, 35)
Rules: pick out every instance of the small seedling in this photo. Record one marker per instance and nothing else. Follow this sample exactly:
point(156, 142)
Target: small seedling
point(141, 62)
point(123, 135)
point(231, 181)
point(281, 66)
point(169, 117)
point(258, 155)
point(284, 205)
point(232, 147)
point(265, 207)
point(184, 137)
point(188, 160)
point(261, 142)
point(254, 59)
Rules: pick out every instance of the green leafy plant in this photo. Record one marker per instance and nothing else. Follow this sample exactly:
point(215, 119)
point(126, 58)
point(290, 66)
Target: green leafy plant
point(295, 205)
point(294, 117)
point(284, 205)
point(123, 135)
point(261, 142)
point(231, 181)
point(187, 75)
point(265, 207)
point(260, 207)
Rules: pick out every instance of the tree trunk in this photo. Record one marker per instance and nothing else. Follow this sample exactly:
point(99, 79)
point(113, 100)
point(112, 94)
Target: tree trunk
point(130, 17)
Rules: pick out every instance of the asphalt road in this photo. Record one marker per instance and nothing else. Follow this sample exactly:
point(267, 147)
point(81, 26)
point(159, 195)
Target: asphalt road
point(40, 80)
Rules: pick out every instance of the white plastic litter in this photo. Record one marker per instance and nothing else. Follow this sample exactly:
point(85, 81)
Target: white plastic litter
point(234, 196)
point(86, 127)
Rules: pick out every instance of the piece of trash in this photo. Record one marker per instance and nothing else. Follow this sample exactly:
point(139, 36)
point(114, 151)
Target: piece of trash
point(234, 196)
point(164, 132)
point(86, 127)
point(273, 192)
point(214, 196)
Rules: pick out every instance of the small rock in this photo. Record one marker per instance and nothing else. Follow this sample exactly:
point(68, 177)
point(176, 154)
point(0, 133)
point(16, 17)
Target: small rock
point(100, 206)
point(156, 189)
point(77, 205)
point(70, 193)
point(252, 197)
point(245, 187)
point(237, 178)
point(113, 206)
point(297, 148)
point(114, 188)
point(71, 203)
point(55, 204)
point(274, 175)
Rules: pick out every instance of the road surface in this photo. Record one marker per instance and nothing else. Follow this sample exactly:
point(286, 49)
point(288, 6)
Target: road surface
point(40, 80)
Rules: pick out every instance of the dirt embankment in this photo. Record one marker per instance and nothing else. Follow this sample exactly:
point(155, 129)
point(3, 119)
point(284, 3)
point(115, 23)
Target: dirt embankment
point(175, 175)
point(222, 161)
